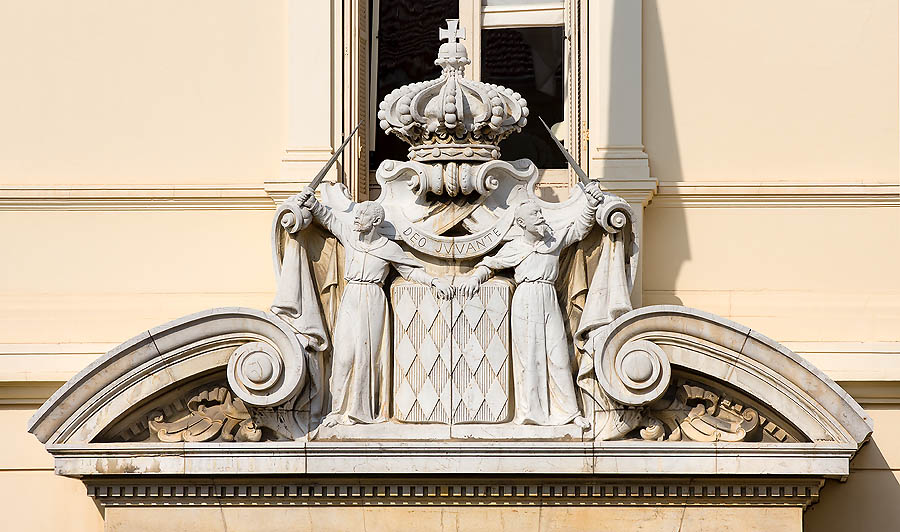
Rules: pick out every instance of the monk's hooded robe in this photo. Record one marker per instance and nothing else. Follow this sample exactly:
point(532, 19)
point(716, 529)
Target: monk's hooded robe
point(543, 380)
point(361, 351)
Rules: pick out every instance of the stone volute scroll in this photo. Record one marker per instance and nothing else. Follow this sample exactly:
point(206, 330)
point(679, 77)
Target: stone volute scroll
point(457, 324)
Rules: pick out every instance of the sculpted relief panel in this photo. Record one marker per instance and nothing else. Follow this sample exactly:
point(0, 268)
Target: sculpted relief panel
point(459, 298)
point(463, 348)
point(451, 356)
point(212, 414)
point(457, 309)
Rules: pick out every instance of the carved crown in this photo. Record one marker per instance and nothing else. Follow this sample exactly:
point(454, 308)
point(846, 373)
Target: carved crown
point(452, 117)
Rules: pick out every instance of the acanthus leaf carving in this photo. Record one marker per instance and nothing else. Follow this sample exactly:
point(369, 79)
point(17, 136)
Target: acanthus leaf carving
point(212, 414)
point(695, 412)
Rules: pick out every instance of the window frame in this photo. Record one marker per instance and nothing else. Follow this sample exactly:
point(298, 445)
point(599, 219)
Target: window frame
point(475, 16)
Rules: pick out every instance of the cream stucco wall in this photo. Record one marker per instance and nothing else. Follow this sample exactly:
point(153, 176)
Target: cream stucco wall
point(801, 274)
point(447, 518)
point(751, 109)
point(141, 142)
point(130, 91)
point(800, 91)
point(100, 96)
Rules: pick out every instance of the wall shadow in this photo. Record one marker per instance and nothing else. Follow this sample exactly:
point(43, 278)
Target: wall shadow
point(666, 245)
point(864, 502)
point(659, 128)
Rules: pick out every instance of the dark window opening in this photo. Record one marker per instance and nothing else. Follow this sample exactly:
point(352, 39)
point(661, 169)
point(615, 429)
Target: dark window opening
point(407, 40)
point(530, 62)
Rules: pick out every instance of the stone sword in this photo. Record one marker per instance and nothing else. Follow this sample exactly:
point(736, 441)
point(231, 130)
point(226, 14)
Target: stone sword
point(582, 177)
point(612, 219)
point(293, 217)
point(321, 175)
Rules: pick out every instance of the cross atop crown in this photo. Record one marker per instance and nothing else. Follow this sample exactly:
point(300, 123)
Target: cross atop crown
point(452, 33)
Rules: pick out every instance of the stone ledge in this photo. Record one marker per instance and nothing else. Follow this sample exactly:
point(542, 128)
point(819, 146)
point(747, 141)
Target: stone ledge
point(455, 457)
point(776, 194)
point(264, 195)
point(458, 431)
point(126, 197)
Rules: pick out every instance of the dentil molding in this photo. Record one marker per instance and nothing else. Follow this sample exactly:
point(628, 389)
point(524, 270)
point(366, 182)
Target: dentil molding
point(735, 491)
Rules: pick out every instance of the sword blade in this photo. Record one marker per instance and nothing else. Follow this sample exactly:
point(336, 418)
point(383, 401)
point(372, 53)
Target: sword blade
point(321, 175)
point(582, 176)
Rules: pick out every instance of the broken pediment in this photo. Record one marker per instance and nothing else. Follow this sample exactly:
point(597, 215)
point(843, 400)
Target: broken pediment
point(157, 367)
point(733, 401)
point(742, 361)
point(461, 330)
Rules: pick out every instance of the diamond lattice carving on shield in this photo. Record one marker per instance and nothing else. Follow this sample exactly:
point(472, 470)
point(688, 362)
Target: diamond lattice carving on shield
point(451, 358)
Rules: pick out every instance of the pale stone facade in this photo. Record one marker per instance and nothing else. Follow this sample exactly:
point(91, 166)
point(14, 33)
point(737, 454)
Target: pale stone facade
point(142, 168)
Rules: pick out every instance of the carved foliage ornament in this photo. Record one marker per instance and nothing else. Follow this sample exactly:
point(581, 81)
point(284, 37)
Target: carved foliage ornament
point(213, 414)
point(697, 412)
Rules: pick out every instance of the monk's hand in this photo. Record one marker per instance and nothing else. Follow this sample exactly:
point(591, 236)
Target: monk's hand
point(307, 198)
point(443, 288)
point(593, 193)
point(470, 287)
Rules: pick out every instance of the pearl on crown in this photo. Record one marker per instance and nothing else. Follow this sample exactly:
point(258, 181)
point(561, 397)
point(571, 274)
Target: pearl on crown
point(452, 118)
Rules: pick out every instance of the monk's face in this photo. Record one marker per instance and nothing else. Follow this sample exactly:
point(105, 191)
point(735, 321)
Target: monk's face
point(364, 219)
point(531, 219)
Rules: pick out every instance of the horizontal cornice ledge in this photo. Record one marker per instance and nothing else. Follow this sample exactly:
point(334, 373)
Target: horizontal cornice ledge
point(847, 363)
point(637, 191)
point(265, 195)
point(152, 197)
point(451, 457)
point(776, 194)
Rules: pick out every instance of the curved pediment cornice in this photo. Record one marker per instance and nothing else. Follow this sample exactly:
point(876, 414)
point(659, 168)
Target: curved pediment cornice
point(694, 342)
point(169, 401)
point(165, 358)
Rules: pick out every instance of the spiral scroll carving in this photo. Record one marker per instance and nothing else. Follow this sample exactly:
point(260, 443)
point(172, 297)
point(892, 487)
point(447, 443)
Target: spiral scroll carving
point(292, 217)
point(612, 216)
point(637, 374)
point(258, 376)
